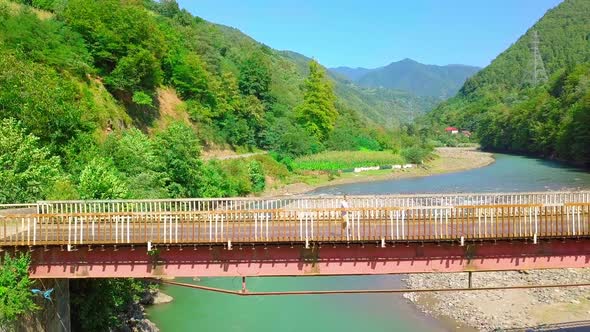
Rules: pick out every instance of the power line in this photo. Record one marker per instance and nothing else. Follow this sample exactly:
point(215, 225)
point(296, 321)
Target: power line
point(245, 292)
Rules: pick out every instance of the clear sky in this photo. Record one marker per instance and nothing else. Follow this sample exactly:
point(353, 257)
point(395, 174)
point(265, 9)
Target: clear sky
point(373, 33)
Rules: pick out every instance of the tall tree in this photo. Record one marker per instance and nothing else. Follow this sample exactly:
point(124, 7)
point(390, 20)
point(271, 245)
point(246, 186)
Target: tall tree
point(192, 80)
point(179, 149)
point(255, 76)
point(135, 156)
point(318, 112)
point(27, 170)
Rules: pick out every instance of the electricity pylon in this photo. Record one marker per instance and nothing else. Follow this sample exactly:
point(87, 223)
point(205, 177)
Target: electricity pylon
point(538, 75)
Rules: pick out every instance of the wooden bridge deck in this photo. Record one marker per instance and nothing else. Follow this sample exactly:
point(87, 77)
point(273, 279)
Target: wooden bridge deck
point(384, 219)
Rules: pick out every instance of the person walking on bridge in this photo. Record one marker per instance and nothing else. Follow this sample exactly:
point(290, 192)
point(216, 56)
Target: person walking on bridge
point(345, 219)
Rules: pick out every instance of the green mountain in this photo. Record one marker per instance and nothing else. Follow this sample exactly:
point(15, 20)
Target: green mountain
point(387, 107)
point(413, 77)
point(508, 112)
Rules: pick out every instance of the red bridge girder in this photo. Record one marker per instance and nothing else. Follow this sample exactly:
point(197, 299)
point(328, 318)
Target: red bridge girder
point(285, 260)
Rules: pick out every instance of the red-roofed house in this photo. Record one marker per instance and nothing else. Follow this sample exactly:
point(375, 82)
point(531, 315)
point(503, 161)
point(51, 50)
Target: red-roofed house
point(452, 130)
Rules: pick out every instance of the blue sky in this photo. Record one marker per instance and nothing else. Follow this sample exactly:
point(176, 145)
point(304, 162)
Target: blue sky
point(373, 33)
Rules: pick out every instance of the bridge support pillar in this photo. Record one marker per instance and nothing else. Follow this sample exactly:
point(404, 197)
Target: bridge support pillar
point(52, 316)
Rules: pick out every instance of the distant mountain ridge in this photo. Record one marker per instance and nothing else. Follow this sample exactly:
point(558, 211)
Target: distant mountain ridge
point(411, 76)
point(352, 74)
point(387, 107)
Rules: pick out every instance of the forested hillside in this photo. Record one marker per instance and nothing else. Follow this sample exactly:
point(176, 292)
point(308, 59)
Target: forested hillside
point(440, 82)
point(116, 99)
point(510, 113)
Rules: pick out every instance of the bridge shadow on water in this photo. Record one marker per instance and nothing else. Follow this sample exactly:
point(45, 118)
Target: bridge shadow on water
point(577, 326)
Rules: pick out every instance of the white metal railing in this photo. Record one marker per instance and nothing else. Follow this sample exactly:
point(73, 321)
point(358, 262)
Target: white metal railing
point(456, 217)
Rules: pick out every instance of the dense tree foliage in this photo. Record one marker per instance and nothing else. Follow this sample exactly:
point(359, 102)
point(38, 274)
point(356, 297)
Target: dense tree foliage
point(46, 41)
point(178, 147)
point(27, 170)
point(99, 180)
point(318, 112)
point(255, 76)
point(552, 121)
point(137, 159)
point(123, 39)
point(16, 298)
point(350, 134)
point(97, 304)
point(46, 103)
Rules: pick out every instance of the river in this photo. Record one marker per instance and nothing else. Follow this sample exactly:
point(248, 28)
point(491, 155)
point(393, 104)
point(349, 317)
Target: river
point(194, 310)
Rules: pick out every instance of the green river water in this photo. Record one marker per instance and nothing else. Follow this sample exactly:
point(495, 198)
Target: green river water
point(194, 310)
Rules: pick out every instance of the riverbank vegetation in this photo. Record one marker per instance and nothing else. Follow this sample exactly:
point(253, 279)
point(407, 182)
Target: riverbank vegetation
point(346, 160)
point(553, 121)
point(16, 298)
point(100, 304)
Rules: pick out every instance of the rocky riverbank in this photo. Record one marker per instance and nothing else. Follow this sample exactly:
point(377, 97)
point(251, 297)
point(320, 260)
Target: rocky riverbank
point(505, 309)
point(135, 318)
point(136, 321)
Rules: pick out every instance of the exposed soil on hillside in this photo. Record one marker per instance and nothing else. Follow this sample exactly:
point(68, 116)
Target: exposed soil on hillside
point(169, 108)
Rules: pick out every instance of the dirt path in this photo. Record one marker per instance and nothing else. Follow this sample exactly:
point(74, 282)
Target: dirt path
point(226, 155)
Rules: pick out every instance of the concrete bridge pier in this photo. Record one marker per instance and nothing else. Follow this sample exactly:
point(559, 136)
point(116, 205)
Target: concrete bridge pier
point(52, 316)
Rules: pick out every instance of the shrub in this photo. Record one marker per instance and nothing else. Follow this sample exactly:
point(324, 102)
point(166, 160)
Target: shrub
point(44, 101)
point(16, 298)
point(100, 180)
point(143, 99)
point(256, 176)
point(272, 167)
point(415, 155)
point(27, 171)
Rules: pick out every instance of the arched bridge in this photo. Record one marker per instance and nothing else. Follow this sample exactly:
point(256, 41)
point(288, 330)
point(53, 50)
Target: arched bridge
point(300, 235)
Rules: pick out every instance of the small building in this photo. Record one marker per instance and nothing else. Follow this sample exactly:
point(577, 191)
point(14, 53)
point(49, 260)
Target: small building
point(452, 130)
point(466, 133)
